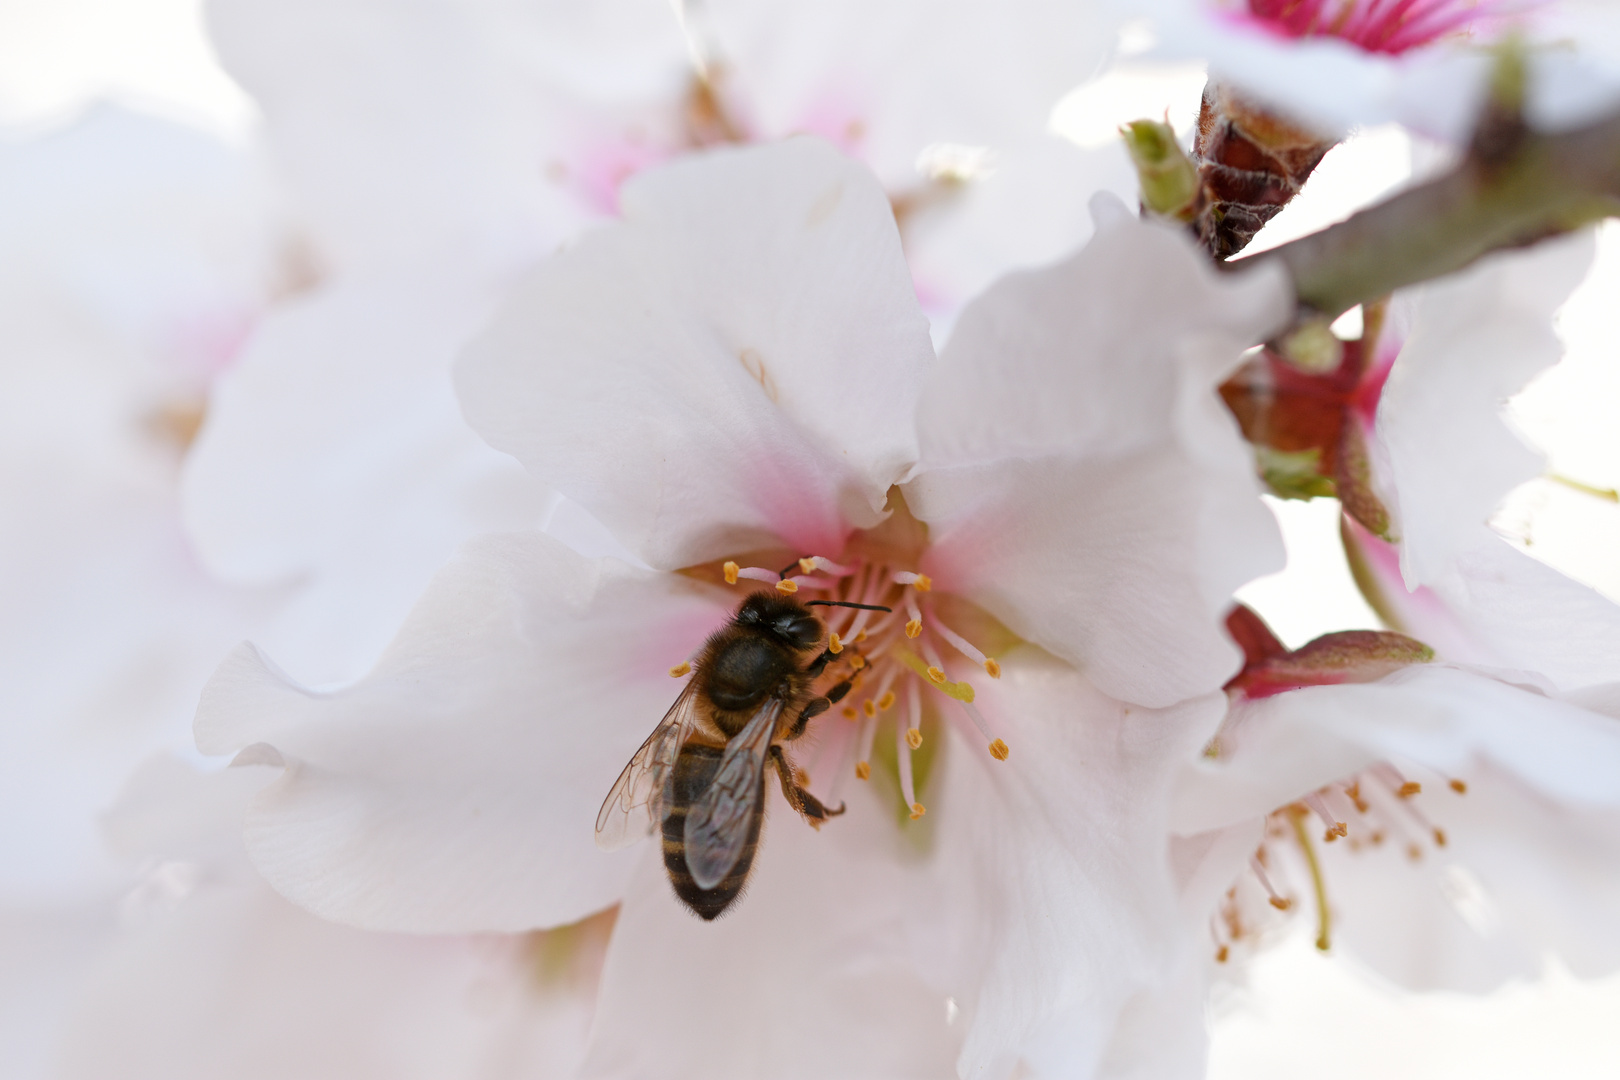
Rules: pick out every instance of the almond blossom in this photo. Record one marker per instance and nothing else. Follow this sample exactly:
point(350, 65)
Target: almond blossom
point(738, 383)
point(1447, 827)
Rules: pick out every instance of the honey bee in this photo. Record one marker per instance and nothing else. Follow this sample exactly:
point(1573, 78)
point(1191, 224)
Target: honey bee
point(700, 776)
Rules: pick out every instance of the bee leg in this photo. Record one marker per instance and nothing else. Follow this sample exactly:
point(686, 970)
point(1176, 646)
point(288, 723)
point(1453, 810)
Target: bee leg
point(812, 709)
point(798, 798)
point(819, 664)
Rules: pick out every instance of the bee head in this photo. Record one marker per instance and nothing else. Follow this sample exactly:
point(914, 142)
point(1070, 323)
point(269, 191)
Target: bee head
point(787, 619)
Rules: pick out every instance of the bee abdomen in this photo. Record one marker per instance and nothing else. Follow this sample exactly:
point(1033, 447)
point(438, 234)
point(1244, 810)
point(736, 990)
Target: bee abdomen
point(694, 769)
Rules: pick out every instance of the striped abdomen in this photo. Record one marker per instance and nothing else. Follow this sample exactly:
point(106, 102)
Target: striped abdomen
point(694, 768)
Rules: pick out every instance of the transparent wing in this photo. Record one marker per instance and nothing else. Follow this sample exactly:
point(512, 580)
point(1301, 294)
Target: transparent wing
point(641, 796)
point(717, 824)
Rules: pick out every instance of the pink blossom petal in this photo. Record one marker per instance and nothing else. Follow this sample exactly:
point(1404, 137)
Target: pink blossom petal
point(740, 358)
point(1081, 478)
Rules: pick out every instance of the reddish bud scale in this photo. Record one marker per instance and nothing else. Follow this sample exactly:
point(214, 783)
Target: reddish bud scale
point(1252, 164)
point(1283, 408)
point(1347, 656)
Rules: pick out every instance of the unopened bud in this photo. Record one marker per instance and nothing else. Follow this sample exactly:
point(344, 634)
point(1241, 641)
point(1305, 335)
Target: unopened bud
point(1169, 179)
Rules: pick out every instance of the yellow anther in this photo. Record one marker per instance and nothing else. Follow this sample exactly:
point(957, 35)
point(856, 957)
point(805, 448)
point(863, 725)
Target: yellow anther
point(1281, 904)
point(1459, 787)
point(788, 586)
point(730, 569)
point(993, 668)
point(923, 583)
point(1414, 852)
point(835, 644)
point(868, 708)
point(936, 674)
point(998, 750)
point(914, 738)
point(917, 810)
point(1440, 837)
point(857, 661)
point(913, 628)
point(860, 637)
point(807, 565)
point(863, 771)
point(850, 713)
point(1408, 789)
point(679, 669)
point(1221, 954)
point(886, 702)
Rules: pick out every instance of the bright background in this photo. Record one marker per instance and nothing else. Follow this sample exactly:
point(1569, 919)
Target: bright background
point(1300, 1014)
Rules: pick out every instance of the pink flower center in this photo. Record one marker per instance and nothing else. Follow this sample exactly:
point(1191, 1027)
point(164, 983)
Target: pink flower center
point(1379, 26)
point(892, 651)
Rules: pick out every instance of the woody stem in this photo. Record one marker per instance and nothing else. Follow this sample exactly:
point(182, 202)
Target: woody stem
point(1510, 190)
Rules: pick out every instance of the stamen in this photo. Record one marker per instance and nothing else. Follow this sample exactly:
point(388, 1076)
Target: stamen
point(966, 648)
point(998, 749)
point(752, 573)
point(1335, 829)
point(920, 582)
point(914, 738)
point(816, 562)
point(937, 675)
point(1279, 902)
point(863, 762)
point(1353, 793)
point(1459, 787)
point(902, 746)
point(731, 570)
point(914, 627)
point(961, 691)
point(886, 702)
point(1297, 815)
point(1409, 789)
point(835, 644)
point(682, 668)
point(868, 708)
point(788, 586)
point(850, 712)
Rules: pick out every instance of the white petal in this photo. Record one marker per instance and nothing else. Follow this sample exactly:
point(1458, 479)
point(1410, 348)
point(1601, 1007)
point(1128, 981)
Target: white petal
point(1026, 208)
point(335, 455)
point(1521, 876)
point(211, 974)
point(455, 788)
point(1443, 718)
point(739, 359)
point(1082, 481)
point(1522, 614)
point(237, 982)
point(405, 129)
point(807, 975)
point(890, 80)
point(1474, 340)
point(1056, 864)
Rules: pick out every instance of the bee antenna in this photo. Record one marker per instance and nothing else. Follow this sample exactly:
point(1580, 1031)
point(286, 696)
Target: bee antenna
point(846, 603)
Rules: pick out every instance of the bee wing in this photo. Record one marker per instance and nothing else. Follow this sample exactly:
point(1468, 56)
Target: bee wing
point(641, 797)
point(718, 822)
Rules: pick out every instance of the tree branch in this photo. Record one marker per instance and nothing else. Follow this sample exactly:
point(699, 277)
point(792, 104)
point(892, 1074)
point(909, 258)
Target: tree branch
point(1515, 187)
